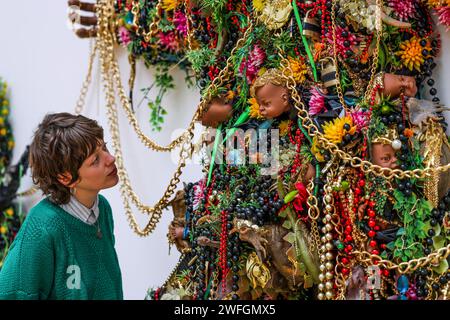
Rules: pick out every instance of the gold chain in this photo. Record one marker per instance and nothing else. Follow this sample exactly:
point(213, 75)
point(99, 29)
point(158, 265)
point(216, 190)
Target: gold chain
point(111, 77)
point(378, 30)
point(140, 31)
point(404, 267)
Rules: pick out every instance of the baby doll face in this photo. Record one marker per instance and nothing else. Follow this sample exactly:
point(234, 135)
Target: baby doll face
point(218, 112)
point(383, 155)
point(395, 84)
point(273, 100)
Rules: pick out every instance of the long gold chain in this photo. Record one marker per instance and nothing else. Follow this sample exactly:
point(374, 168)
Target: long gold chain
point(379, 31)
point(111, 78)
point(140, 31)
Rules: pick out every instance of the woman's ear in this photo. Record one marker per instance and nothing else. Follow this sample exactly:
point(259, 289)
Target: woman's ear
point(65, 179)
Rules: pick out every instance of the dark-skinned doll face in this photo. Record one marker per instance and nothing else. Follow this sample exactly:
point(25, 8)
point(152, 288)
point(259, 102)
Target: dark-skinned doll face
point(273, 100)
point(218, 111)
point(395, 84)
point(384, 156)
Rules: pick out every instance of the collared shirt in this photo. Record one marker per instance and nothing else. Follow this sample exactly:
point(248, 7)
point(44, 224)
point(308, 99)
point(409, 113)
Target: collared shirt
point(78, 210)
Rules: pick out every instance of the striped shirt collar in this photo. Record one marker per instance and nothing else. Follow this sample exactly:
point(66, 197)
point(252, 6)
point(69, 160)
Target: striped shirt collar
point(78, 210)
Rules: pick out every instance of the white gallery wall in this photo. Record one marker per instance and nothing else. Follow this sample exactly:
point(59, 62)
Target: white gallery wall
point(44, 64)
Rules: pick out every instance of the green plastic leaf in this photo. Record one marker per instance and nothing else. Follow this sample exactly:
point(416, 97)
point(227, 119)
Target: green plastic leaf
point(438, 242)
point(283, 214)
point(290, 196)
point(442, 268)
point(290, 237)
point(287, 224)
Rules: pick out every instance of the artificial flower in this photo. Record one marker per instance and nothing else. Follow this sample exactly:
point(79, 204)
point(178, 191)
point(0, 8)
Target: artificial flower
point(298, 68)
point(444, 16)
point(180, 22)
point(411, 53)
point(301, 197)
point(251, 65)
point(124, 36)
point(403, 9)
point(340, 40)
point(334, 130)
point(408, 132)
point(168, 40)
point(254, 109)
point(9, 212)
point(315, 150)
point(169, 5)
point(360, 119)
point(258, 5)
point(284, 127)
point(316, 103)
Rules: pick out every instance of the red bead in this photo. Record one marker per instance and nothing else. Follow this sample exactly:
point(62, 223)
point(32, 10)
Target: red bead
point(349, 247)
point(371, 223)
point(361, 183)
point(371, 213)
point(377, 228)
point(373, 243)
point(375, 252)
point(348, 229)
point(344, 260)
point(357, 191)
point(386, 273)
point(371, 234)
point(348, 238)
point(345, 271)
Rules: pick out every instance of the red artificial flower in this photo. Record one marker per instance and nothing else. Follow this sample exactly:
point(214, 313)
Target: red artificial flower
point(301, 197)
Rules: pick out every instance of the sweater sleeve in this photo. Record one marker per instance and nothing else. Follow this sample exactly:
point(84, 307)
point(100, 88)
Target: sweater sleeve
point(28, 269)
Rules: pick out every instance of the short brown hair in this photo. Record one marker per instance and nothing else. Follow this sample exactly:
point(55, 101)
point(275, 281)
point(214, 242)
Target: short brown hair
point(60, 144)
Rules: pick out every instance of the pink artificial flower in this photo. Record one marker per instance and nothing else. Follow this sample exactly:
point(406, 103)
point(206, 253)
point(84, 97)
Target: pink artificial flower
point(316, 103)
point(444, 16)
point(340, 39)
point(360, 119)
point(404, 9)
point(124, 36)
point(252, 64)
point(168, 40)
point(199, 190)
point(180, 22)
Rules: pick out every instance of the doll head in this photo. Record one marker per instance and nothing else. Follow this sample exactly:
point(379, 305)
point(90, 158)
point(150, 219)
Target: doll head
point(383, 150)
point(394, 85)
point(271, 94)
point(218, 111)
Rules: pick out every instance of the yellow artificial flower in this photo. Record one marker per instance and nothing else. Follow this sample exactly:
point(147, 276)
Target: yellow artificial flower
point(316, 151)
point(284, 127)
point(230, 95)
point(411, 53)
point(3, 132)
point(3, 230)
point(254, 109)
point(169, 5)
point(334, 130)
point(258, 5)
point(2, 121)
point(9, 212)
point(436, 3)
point(10, 144)
point(5, 112)
point(298, 68)
point(5, 103)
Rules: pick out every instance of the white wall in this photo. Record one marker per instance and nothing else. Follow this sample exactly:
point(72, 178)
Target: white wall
point(45, 64)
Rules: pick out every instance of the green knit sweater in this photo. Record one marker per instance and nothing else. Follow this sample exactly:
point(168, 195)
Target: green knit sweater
point(57, 256)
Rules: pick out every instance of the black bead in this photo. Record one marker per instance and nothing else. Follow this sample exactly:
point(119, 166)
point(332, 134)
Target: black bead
point(430, 82)
point(427, 251)
point(433, 91)
point(429, 241)
point(408, 192)
point(435, 287)
point(344, 34)
point(423, 42)
point(431, 232)
point(235, 287)
point(436, 99)
point(425, 52)
point(235, 297)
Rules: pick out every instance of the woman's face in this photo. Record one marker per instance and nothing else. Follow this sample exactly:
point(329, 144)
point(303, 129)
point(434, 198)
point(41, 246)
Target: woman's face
point(98, 171)
point(273, 100)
